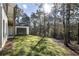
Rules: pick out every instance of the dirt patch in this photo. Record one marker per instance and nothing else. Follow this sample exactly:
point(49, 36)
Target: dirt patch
point(8, 45)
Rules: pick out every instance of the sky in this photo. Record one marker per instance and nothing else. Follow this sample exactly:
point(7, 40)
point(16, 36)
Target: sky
point(28, 8)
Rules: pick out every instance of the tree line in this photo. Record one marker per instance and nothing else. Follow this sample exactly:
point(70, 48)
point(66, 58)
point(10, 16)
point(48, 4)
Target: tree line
point(61, 23)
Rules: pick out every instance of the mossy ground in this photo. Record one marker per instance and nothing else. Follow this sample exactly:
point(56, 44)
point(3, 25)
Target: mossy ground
point(26, 45)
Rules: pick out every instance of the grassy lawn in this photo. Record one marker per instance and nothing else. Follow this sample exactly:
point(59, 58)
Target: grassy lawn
point(26, 45)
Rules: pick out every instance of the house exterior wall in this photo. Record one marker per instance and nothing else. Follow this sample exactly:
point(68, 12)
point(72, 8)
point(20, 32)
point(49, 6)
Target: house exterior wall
point(0, 26)
point(3, 27)
point(4, 13)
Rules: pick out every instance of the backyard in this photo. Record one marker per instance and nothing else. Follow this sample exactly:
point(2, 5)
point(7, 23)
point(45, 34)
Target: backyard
point(41, 29)
point(34, 46)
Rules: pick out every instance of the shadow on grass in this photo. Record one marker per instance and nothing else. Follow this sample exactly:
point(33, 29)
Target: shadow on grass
point(34, 48)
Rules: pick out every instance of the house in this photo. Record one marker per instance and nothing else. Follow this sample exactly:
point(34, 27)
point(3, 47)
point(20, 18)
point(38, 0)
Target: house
point(8, 28)
point(6, 11)
point(22, 23)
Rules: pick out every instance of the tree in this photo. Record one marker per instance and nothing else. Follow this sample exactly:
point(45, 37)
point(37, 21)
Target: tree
point(34, 21)
point(63, 18)
point(25, 19)
point(39, 12)
point(78, 31)
point(14, 17)
point(55, 13)
point(77, 5)
point(67, 27)
point(19, 13)
point(75, 15)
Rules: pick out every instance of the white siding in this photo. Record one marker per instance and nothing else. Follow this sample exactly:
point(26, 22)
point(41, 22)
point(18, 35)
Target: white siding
point(3, 18)
point(0, 26)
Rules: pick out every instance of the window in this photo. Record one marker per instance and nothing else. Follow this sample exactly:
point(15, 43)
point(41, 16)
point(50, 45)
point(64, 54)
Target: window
point(21, 31)
point(3, 28)
point(6, 29)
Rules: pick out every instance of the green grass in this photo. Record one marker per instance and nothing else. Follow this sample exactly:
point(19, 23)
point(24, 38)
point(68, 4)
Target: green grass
point(25, 45)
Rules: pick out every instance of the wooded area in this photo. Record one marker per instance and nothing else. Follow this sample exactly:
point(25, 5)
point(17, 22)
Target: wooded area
point(62, 22)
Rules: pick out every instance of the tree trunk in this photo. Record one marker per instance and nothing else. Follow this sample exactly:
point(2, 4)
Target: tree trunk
point(55, 22)
point(44, 27)
point(67, 27)
point(40, 25)
point(63, 19)
point(48, 29)
point(34, 28)
point(78, 31)
point(14, 16)
point(64, 35)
